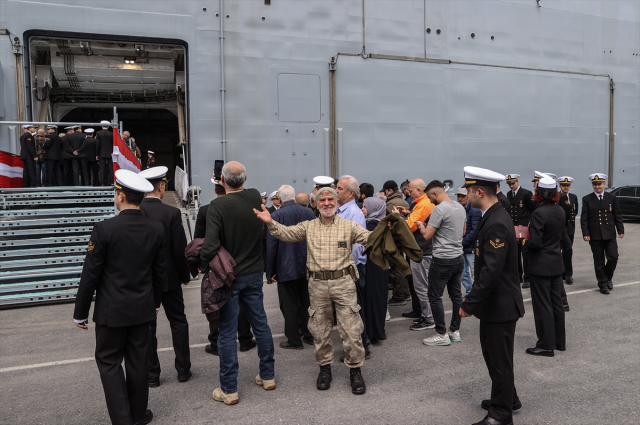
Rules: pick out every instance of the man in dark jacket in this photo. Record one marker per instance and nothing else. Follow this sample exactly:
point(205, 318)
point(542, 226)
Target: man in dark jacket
point(177, 275)
point(473, 218)
point(28, 156)
point(495, 298)
point(286, 264)
point(569, 203)
point(521, 206)
point(600, 218)
point(128, 295)
point(54, 157)
point(504, 201)
point(74, 144)
point(92, 158)
point(104, 149)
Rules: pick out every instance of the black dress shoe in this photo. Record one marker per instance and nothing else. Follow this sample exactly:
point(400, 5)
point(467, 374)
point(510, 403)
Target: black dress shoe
point(526, 284)
point(185, 378)
point(486, 404)
point(569, 280)
point(561, 347)
point(566, 307)
point(248, 346)
point(211, 349)
point(604, 290)
point(357, 382)
point(154, 383)
point(324, 378)
point(488, 420)
point(289, 346)
point(536, 351)
point(148, 417)
point(412, 315)
point(609, 285)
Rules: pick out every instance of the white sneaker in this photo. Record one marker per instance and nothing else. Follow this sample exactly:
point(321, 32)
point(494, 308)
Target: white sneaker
point(454, 336)
point(437, 339)
point(387, 317)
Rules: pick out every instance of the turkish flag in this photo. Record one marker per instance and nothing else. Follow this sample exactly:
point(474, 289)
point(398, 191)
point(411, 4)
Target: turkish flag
point(11, 168)
point(122, 156)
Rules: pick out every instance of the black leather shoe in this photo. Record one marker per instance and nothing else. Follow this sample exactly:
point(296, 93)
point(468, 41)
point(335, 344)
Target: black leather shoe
point(154, 383)
point(486, 404)
point(566, 307)
point(148, 417)
point(604, 290)
point(569, 280)
point(357, 382)
point(609, 285)
point(561, 347)
point(307, 339)
point(288, 346)
point(249, 346)
point(324, 378)
point(526, 284)
point(535, 351)
point(211, 349)
point(412, 315)
point(185, 378)
point(488, 420)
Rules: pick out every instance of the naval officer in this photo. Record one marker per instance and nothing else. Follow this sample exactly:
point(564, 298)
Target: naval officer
point(177, 275)
point(495, 297)
point(599, 220)
point(569, 203)
point(151, 160)
point(128, 295)
point(521, 205)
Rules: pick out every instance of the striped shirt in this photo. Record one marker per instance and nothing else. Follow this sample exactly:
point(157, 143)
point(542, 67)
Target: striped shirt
point(328, 245)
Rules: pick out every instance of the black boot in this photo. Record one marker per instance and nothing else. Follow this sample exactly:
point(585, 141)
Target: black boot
point(357, 382)
point(324, 378)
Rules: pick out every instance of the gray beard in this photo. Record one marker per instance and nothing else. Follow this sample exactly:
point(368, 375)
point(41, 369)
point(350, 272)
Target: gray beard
point(329, 214)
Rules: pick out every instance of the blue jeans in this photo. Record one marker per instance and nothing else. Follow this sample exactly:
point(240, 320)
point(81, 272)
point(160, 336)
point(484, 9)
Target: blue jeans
point(467, 273)
point(248, 292)
point(41, 167)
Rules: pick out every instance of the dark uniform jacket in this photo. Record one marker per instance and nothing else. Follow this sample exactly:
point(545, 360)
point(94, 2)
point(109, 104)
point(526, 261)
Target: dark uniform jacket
point(27, 147)
point(74, 142)
point(151, 162)
point(547, 236)
point(201, 222)
point(175, 239)
point(521, 206)
point(53, 147)
point(90, 149)
point(495, 295)
point(600, 219)
point(504, 201)
point(104, 143)
point(569, 204)
point(125, 267)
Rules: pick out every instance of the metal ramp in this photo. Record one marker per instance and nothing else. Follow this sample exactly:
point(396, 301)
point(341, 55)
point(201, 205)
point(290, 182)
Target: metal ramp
point(43, 240)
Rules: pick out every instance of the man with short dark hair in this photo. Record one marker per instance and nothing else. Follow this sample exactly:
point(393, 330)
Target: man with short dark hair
point(473, 218)
point(366, 191)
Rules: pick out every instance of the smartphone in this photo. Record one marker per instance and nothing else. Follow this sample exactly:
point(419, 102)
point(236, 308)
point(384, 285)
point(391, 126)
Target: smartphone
point(217, 169)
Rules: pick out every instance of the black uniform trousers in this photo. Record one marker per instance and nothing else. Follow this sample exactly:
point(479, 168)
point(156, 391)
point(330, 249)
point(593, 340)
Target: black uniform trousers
point(66, 172)
point(604, 249)
point(523, 264)
point(28, 173)
point(567, 256)
point(244, 331)
point(496, 340)
point(173, 305)
point(54, 168)
point(93, 173)
point(106, 171)
point(126, 398)
point(294, 305)
point(548, 314)
point(79, 166)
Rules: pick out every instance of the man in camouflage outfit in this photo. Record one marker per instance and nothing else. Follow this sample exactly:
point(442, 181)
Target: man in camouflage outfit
point(332, 275)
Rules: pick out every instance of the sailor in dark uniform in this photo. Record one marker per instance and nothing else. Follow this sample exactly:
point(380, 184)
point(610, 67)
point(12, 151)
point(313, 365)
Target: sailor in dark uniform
point(54, 156)
point(28, 155)
point(67, 180)
point(151, 160)
point(104, 149)
point(569, 203)
point(128, 295)
point(547, 236)
point(495, 298)
point(502, 199)
point(177, 275)
point(521, 205)
point(75, 145)
point(599, 220)
point(92, 158)
point(275, 203)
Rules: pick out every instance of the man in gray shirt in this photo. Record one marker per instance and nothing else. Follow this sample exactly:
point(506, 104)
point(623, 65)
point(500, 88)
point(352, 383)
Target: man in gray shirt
point(446, 227)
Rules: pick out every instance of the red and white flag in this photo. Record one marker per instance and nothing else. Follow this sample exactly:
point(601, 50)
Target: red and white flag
point(122, 156)
point(11, 168)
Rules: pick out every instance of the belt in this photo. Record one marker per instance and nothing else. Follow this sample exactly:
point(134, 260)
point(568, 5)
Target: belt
point(330, 275)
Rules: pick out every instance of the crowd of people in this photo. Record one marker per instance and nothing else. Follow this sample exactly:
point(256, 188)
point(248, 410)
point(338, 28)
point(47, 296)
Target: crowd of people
point(75, 157)
point(334, 254)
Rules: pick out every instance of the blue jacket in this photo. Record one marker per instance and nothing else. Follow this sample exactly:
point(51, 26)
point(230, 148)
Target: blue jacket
point(288, 260)
point(473, 218)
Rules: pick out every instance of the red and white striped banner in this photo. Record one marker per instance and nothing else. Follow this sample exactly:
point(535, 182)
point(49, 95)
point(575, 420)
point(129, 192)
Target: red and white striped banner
point(11, 168)
point(122, 156)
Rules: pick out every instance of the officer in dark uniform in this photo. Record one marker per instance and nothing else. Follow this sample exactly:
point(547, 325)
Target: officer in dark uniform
point(495, 298)
point(128, 295)
point(104, 149)
point(66, 158)
point(599, 220)
point(547, 236)
point(151, 161)
point(27, 155)
point(569, 203)
point(75, 144)
point(92, 158)
point(521, 205)
point(504, 201)
point(177, 275)
point(275, 202)
point(54, 156)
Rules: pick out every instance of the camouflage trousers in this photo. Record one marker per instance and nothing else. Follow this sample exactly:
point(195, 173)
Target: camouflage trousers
point(324, 294)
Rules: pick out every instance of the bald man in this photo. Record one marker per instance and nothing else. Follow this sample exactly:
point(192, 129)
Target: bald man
point(302, 199)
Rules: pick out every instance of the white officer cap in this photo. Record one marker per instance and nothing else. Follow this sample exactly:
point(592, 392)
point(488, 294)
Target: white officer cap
point(553, 176)
point(481, 177)
point(89, 130)
point(105, 123)
point(323, 181)
point(154, 174)
point(537, 176)
point(28, 126)
point(547, 182)
point(274, 195)
point(151, 152)
point(510, 178)
point(52, 126)
point(68, 128)
point(565, 180)
point(263, 194)
point(597, 177)
point(128, 180)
